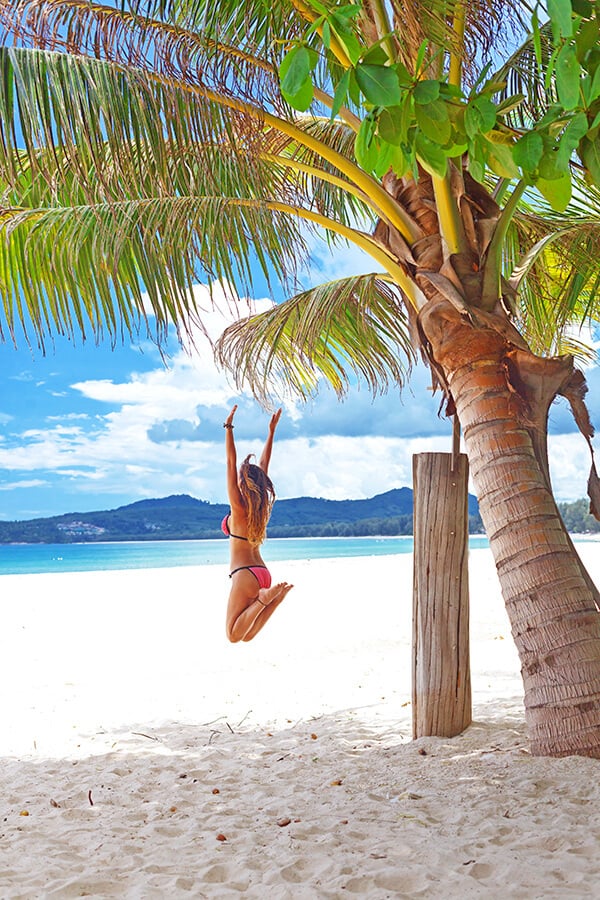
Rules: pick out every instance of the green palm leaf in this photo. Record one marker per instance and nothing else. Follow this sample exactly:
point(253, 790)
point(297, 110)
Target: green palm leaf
point(109, 255)
point(352, 326)
point(560, 287)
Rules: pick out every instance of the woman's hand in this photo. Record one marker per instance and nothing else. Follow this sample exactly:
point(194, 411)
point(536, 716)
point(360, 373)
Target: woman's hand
point(274, 421)
point(228, 423)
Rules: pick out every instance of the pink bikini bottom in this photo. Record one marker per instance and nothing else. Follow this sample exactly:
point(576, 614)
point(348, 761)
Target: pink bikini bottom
point(261, 573)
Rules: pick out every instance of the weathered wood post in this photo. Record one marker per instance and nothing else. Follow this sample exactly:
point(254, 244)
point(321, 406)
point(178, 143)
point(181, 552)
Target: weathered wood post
point(441, 670)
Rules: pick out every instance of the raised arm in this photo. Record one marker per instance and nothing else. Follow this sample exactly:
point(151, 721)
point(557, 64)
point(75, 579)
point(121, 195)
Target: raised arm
point(233, 491)
point(265, 457)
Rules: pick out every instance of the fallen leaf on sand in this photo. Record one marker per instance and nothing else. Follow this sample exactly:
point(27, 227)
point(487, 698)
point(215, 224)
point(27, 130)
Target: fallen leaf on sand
point(285, 820)
point(337, 782)
point(216, 791)
point(221, 837)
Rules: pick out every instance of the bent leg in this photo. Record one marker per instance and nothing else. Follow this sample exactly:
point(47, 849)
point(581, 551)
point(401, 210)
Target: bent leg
point(272, 597)
point(249, 608)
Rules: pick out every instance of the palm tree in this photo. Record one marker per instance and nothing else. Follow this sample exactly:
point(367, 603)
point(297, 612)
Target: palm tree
point(144, 143)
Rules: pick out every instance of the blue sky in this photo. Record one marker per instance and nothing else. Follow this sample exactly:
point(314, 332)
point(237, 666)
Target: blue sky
point(90, 427)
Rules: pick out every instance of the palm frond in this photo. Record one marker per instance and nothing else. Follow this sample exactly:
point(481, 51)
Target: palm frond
point(142, 44)
point(353, 326)
point(488, 26)
point(253, 24)
point(557, 254)
point(522, 76)
point(119, 135)
point(110, 255)
point(317, 180)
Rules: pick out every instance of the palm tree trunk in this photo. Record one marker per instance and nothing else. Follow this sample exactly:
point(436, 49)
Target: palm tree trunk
point(550, 599)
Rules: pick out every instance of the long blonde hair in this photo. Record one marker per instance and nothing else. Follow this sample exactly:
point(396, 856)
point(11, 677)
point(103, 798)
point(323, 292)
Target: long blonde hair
point(258, 494)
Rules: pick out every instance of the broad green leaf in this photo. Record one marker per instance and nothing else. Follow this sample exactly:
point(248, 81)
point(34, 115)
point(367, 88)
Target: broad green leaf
point(432, 119)
point(583, 8)
point(431, 156)
point(302, 99)
point(319, 23)
point(379, 85)
point(593, 129)
point(590, 157)
point(346, 37)
point(560, 12)
point(481, 76)
point(385, 158)
point(401, 164)
point(586, 38)
point(353, 89)
point(421, 53)
point(473, 121)
point(366, 146)
point(509, 104)
point(391, 127)
point(500, 159)
point(426, 91)
point(404, 76)
point(557, 192)
point(476, 163)
point(568, 74)
point(318, 7)
point(345, 14)
point(480, 116)
point(375, 56)
point(595, 86)
point(487, 110)
point(451, 91)
point(295, 68)
point(551, 166)
point(528, 151)
point(575, 130)
point(476, 169)
point(341, 93)
point(453, 150)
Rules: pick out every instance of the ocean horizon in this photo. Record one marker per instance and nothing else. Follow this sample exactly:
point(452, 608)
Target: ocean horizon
point(34, 559)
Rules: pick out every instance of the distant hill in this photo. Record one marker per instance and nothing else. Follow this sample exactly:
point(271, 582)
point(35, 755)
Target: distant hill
point(181, 517)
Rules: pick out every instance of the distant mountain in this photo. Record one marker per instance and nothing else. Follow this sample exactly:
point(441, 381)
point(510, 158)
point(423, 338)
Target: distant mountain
point(181, 517)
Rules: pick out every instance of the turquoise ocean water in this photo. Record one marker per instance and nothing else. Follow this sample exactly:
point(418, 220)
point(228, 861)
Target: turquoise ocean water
point(22, 559)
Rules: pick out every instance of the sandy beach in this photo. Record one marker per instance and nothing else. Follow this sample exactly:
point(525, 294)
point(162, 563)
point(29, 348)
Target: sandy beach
point(145, 757)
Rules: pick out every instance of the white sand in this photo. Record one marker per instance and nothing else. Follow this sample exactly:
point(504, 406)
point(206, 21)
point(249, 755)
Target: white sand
point(133, 735)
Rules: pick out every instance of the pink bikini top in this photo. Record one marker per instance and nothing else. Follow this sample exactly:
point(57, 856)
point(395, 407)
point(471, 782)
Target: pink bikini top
point(226, 531)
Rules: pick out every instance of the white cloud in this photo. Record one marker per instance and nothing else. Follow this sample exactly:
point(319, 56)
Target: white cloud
point(570, 463)
point(327, 449)
point(25, 483)
point(68, 417)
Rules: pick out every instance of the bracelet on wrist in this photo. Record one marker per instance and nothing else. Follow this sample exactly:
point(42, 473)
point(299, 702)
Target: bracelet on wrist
point(227, 425)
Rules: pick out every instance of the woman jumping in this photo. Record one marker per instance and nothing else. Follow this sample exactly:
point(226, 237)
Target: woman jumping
point(252, 600)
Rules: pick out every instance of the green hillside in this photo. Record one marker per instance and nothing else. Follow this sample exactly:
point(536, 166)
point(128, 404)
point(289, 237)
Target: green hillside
point(181, 517)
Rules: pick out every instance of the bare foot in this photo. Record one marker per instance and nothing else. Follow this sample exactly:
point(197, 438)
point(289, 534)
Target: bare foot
point(276, 592)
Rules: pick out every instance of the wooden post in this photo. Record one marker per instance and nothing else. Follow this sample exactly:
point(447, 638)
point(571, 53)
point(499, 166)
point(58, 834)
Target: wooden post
point(441, 672)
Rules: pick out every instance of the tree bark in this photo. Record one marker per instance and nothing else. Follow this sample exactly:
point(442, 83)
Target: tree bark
point(551, 601)
point(441, 675)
